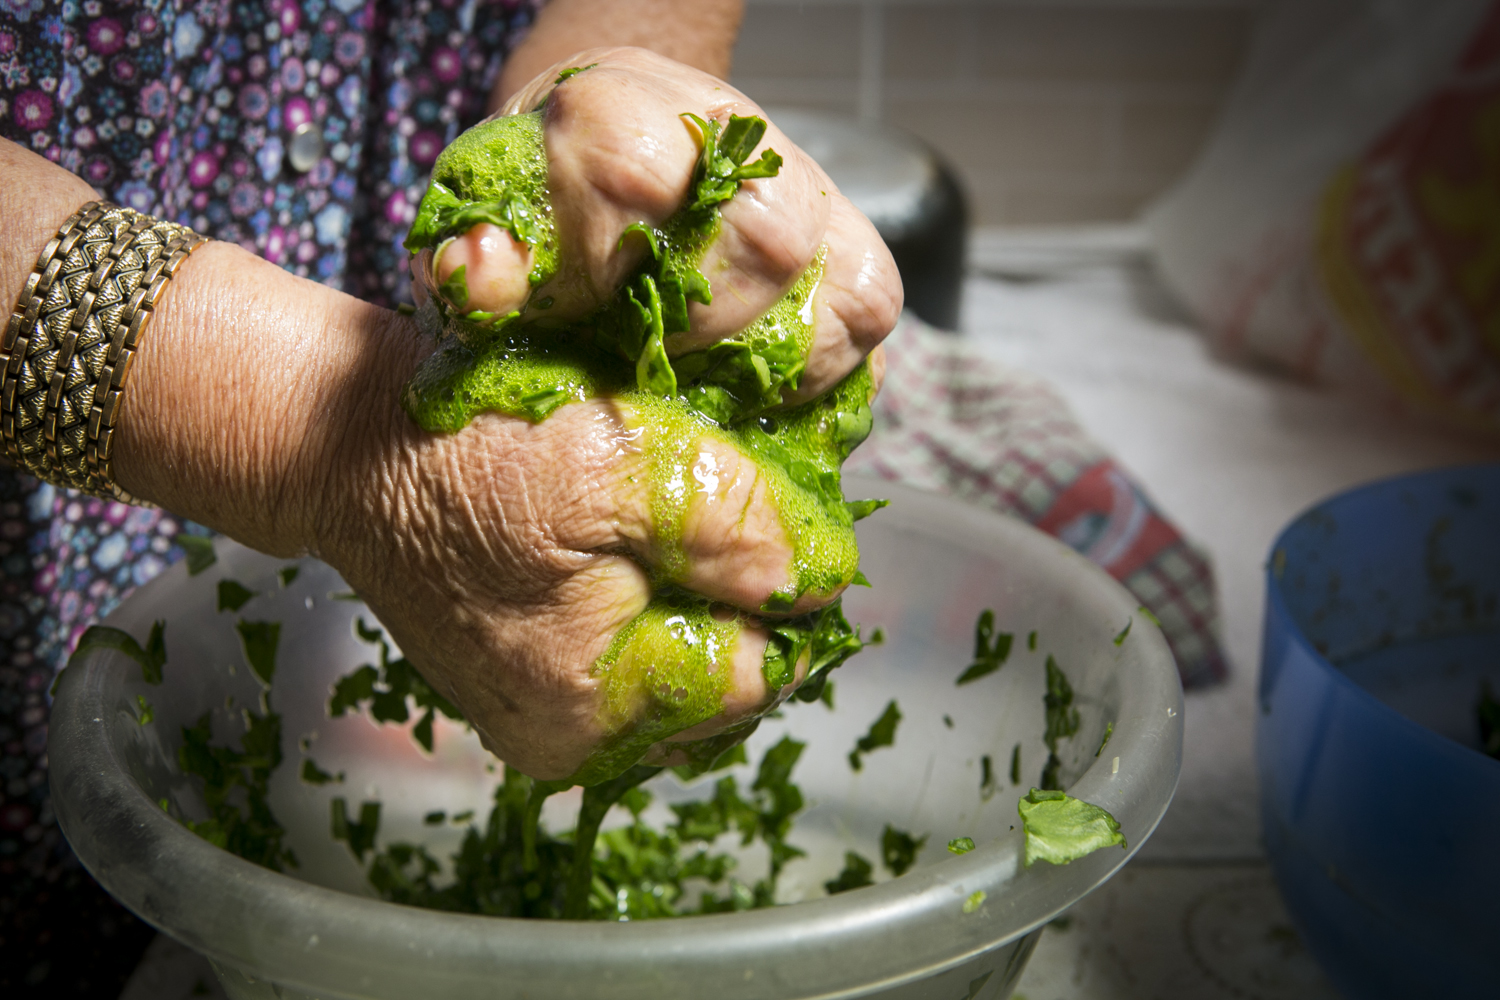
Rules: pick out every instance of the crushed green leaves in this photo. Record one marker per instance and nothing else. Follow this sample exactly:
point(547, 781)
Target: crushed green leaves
point(1062, 722)
point(990, 650)
point(855, 874)
point(1060, 828)
point(882, 734)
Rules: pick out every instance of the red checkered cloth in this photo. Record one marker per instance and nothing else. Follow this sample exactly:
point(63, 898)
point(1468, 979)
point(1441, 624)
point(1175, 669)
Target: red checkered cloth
point(953, 422)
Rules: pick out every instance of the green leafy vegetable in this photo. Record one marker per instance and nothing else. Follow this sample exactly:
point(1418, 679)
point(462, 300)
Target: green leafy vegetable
point(899, 849)
point(975, 901)
point(456, 288)
point(199, 552)
point(312, 774)
point(571, 72)
point(233, 595)
point(1060, 828)
point(1062, 722)
point(856, 875)
point(144, 712)
point(1120, 639)
point(1015, 765)
point(961, 845)
point(258, 640)
point(990, 650)
point(388, 688)
point(287, 574)
point(721, 163)
point(1031, 641)
point(359, 833)
point(1109, 730)
point(1149, 615)
point(987, 785)
point(235, 786)
point(882, 734)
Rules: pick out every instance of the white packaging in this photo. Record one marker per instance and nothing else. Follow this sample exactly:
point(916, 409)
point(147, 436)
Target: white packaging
point(1343, 221)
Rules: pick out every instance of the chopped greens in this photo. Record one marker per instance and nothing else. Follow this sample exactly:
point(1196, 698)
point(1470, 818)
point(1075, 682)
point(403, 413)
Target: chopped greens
point(856, 875)
point(312, 774)
point(990, 650)
point(235, 786)
point(1149, 615)
point(882, 734)
point(1060, 828)
point(144, 712)
point(975, 901)
point(987, 785)
point(1124, 632)
point(899, 849)
point(233, 595)
point(1015, 765)
point(961, 845)
point(1062, 722)
point(1109, 730)
point(199, 552)
point(286, 574)
point(1031, 641)
point(387, 689)
point(258, 640)
point(514, 867)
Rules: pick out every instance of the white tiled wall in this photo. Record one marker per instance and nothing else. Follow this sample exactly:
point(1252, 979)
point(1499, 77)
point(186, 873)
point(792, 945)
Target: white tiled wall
point(1065, 111)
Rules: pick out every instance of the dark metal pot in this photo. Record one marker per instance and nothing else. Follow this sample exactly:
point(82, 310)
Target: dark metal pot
point(909, 193)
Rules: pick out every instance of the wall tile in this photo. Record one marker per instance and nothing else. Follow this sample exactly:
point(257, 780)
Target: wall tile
point(790, 40)
point(1162, 136)
point(1138, 44)
point(1070, 112)
point(994, 134)
point(931, 42)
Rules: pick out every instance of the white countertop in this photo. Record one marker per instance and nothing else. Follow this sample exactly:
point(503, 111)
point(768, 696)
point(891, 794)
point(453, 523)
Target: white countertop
point(1231, 455)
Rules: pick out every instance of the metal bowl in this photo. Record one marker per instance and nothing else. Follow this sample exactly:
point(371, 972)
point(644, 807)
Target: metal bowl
point(935, 565)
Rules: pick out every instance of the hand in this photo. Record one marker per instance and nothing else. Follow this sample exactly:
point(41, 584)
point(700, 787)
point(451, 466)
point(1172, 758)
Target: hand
point(620, 152)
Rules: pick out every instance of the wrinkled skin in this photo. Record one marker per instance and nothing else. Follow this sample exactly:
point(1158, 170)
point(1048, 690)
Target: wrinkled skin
point(502, 558)
point(619, 153)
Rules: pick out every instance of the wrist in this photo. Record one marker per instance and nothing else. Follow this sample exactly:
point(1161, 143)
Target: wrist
point(253, 393)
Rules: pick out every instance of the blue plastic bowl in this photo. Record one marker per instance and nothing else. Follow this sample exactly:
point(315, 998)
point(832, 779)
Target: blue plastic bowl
point(1381, 814)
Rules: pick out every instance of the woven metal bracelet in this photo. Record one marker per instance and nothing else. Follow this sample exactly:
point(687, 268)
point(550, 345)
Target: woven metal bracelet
point(72, 337)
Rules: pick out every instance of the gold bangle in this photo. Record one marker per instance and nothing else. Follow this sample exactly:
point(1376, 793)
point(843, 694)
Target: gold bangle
point(72, 336)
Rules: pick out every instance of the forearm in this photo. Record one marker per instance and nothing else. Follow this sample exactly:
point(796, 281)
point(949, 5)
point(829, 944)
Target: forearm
point(248, 384)
point(699, 33)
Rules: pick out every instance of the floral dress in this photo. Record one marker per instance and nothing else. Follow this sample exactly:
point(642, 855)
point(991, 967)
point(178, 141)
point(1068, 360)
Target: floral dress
point(302, 130)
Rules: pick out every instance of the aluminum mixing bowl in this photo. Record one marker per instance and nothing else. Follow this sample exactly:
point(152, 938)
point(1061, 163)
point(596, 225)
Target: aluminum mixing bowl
point(318, 932)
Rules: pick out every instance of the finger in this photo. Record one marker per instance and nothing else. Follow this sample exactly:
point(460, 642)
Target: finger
point(856, 305)
point(680, 496)
point(485, 269)
point(769, 234)
point(748, 699)
point(717, 522)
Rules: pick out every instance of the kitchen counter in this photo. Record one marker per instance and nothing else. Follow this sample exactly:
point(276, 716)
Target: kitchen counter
point(1231, 455)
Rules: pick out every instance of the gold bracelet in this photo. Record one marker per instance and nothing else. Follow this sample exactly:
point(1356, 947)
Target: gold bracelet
point(72, 337)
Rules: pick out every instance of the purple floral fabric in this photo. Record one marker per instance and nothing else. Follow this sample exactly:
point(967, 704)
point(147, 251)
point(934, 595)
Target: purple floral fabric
point(192, 110)
point(186, 110)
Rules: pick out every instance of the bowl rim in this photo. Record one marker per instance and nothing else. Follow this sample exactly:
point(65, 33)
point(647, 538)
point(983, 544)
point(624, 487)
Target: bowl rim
point(92, 786)
point(1277, 605)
